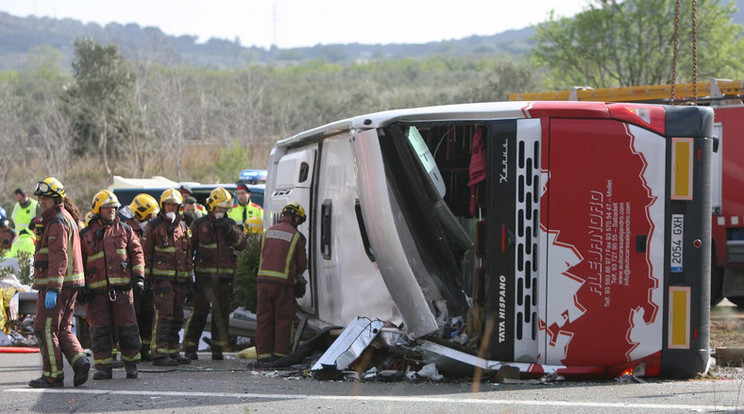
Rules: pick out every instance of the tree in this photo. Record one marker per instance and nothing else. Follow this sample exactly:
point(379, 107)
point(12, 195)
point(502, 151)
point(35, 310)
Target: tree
point(101, 97)
point(11, 135)
point(625, 43)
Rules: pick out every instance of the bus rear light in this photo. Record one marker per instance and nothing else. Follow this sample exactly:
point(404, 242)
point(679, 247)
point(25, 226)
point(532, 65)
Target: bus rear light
point(645, 116)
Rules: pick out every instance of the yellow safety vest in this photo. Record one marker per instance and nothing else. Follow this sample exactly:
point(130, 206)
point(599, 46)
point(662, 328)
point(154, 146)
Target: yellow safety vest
point(22, 216)
point(241, 213)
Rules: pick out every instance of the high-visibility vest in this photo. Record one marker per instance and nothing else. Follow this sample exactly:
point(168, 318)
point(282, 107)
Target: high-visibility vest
point(241, 213)
point(22, 216)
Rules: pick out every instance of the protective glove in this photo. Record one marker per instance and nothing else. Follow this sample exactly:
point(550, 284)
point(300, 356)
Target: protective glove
point(138, 284)
point(300, 287)
point(222, 224)
point(84, 295)
point(50, 300)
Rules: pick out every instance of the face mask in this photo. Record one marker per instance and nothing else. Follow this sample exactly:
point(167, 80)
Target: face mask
point(219, 215)
point(171, 216)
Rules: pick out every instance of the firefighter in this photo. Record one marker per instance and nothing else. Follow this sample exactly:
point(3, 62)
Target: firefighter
point(190, 211)
point(244, 208)
point(283, 260)
point(7, 234)
point(137, 215)
point(215, 239)
point(168, 267)
point(58, 274)
point(190, 203)
point(114, 266)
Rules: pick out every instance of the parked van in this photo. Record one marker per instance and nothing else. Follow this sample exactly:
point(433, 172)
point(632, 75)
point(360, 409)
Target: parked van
point(566, 236)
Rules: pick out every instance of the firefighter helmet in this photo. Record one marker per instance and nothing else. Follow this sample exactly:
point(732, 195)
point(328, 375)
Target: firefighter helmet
point(104, 198)
point(171, 195)
point(50, 187)
point(254, 225)
point(88, 218)
point(219, 197)
point(295, 209)
point(143, 206)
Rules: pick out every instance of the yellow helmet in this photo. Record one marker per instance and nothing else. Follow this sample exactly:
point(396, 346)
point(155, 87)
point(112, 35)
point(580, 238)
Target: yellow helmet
point(254, 225)
point(219, 197)
point(50, 187)
point(171, 195)
point(104, 198)
point(88, 217)
point(294, 208)
point(143, 206)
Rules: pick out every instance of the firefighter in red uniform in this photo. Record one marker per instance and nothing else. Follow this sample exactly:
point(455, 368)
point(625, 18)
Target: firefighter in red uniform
point(114, 264)
point(58, 274)
point(215, 239)
point(283, 260)
point(137, 214)
point(168, 266)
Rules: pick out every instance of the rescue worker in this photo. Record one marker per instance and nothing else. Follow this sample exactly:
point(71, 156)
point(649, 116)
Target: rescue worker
point(7, 234)
point(24, 209)
point(138, 214)
point(114, 266)
point(186, 193)
point(244, 208)
point(283, 260)
point(215, 239)
point(24, 243)
point(168, 267)
point(190, 210)
point(58, 274)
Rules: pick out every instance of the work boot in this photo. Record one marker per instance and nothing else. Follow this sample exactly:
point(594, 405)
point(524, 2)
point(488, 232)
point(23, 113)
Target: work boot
point(192, 355)
point(131, 369)
point(116, 363)
point(262, 363)
point(145, 354)
point(180, 358)
point(82, 371)
point(102, 373)
point(217, 353)
point(45, 382)
point(164, 361)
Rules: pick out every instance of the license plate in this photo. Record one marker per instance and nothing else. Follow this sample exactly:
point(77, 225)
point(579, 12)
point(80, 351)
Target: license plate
point(677, 247)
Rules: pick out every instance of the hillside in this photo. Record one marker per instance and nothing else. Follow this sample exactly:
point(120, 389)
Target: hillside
point(19, 35)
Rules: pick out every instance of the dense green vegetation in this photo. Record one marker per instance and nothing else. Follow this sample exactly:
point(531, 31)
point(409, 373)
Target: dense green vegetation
point(109, 112)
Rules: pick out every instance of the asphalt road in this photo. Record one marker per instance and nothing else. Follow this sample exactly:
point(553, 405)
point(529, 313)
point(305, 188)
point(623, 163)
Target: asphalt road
point(229, 387)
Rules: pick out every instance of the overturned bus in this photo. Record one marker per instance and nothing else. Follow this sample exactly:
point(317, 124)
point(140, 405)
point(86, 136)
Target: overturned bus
point(568, 237)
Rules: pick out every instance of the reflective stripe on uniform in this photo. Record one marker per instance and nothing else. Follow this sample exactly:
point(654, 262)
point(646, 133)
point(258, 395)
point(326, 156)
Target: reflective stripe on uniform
point(162, 272)
point(93, 257)
point(170, 249)
point(287, 260)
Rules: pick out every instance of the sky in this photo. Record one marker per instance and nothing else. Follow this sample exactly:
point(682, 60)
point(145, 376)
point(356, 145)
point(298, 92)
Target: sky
point(297, 23)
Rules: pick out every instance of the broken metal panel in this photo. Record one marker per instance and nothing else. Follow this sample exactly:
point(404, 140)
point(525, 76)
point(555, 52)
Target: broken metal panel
point(349, 345)
point(387, 238)
point(445, 357)
point(348, 283)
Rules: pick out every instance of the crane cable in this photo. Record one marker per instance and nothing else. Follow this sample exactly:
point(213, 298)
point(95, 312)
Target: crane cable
point(676, 51)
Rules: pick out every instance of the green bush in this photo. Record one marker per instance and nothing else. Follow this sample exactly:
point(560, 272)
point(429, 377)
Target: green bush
point(245, 275)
